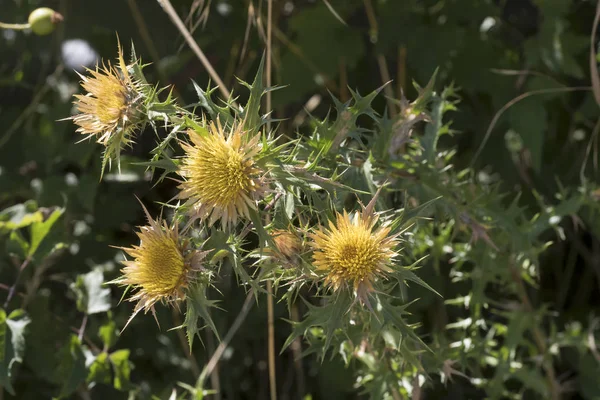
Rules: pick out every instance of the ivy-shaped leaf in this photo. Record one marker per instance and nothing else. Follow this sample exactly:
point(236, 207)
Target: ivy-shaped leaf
point(92, 298)
point(12, 345)
point(72, 371)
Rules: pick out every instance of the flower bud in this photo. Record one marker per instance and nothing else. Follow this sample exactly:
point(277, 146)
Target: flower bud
point(42, 20)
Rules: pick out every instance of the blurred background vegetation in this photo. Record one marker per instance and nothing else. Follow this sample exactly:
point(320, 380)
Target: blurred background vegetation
point(59, 219)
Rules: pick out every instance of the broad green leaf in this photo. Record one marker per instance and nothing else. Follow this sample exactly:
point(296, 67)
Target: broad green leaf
point(19, 216)
point(92, 298)
point(121, 368)
point(39, 230)
point(100, 371)
point(108, 334)
point(17, 245)
point(12, 345)
point(71, 371)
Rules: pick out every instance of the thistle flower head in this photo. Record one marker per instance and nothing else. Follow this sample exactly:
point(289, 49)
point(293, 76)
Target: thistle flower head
point(109, 110)
point(287, 247)
point(353, 252)
point(160, 269)
point(221, 178)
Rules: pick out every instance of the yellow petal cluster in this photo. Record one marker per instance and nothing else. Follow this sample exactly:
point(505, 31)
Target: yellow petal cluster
point(351, 252)
point(108, 107)
point(221, 178)
point(159, 270)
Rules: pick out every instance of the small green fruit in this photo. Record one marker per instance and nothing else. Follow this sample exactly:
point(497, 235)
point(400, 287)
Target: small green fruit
point(42, 20)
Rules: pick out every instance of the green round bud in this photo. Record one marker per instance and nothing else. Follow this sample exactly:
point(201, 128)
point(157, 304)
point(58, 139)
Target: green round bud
point(42, 20)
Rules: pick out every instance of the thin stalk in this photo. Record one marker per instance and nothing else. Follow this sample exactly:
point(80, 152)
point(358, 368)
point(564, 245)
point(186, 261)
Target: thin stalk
point(538, 336)
point(147, 38)
point(11, 291)
point(401, 71)
point(82, 327)
point(386, 79)
point(215, 381)
point(212, 363)
point(269, 55)
point(270, 317)
point(175, 314)
point(168, 8)
point(515, 101)
point(297, 351)
point(271, 341)
point(16, 27)
point(31, 107)
point(344, 95)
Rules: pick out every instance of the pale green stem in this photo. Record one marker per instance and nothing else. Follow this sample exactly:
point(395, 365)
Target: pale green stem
point(17, 27)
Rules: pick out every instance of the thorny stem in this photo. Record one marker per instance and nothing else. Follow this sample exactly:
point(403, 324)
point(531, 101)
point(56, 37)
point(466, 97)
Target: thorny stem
point(538, 336)
point(11, 291)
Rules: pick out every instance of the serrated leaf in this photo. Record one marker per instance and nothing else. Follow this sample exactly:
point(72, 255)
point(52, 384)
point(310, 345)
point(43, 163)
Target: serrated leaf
point(393, 314)
point(205, 101)
point(405, 274)
point(198, 306)
point(328, 317)
point(92, 298)
point(251, 114)
point(12, 345)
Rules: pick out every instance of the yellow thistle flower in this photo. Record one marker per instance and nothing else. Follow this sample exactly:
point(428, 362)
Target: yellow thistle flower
point(288, 244)
point(287, 248)
point(108, 109)
point(352, 252)
point(221, 178)
point(160, 269)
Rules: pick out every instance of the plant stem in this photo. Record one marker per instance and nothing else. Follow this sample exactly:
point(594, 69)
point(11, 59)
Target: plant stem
point(168, 8)
point(270, 318)
point(184, 344)
point(269, 55)
point(212, 363)
point(82, 328)
point(11, 291)
point(538, 336)
point(16, 27)
point(271, 341)
point(297, 352)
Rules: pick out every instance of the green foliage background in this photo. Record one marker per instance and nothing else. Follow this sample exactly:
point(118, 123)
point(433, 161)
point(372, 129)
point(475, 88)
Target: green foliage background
point(524, 183)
